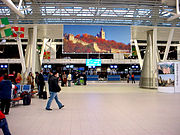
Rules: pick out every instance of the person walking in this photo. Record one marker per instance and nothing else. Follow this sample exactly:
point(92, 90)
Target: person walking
point(85, 78)
point(127, 78)
point(64, 79)
point(132, 77)
point(41, 84)
point(4, 124)
point(5, 94)
point(37, 81)
point(69, 79)
point(54, 89)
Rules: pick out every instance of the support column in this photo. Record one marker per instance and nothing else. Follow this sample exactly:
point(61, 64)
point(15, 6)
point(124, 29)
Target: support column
point(28, 51)
point(34, 46)
point(155, 57)
point(138, 53)
point(149, 69)
point(21, 55)
point(53, 50)
point(168, 44)
point(30, 57)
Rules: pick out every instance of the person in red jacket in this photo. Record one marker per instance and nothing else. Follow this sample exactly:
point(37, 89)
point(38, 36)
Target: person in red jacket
point(4, 124)
point(1, 77)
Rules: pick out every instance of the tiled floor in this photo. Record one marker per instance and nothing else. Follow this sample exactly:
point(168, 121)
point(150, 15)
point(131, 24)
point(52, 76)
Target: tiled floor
point(100, 109)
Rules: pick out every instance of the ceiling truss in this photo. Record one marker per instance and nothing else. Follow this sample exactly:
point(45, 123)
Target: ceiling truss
point(108, 12)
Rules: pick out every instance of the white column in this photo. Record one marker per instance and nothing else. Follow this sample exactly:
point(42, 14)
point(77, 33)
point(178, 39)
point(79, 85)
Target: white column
point(21, 55)
point(11, 5)
point(53, 50)
point(34, 49)
point(20, 3)
point(171, 33)
point(177, 6)
point(154, 55)
point(138, 53)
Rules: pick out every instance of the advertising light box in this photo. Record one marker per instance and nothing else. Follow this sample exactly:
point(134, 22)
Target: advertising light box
point(93, 62)
point(96, 39)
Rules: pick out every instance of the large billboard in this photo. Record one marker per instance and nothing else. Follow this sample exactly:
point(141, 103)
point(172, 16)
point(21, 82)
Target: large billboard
point(96, 39)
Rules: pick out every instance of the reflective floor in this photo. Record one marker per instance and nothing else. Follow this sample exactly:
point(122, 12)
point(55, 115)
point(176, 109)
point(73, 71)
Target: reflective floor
point(100, 109)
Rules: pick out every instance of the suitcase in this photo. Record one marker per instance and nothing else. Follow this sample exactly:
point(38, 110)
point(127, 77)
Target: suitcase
point(44, 95)
point(27, 99)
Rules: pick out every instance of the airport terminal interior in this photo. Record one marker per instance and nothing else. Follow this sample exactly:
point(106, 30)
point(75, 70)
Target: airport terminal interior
point(109, 67)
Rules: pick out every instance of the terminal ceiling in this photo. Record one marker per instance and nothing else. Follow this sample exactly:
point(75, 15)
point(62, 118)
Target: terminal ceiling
point(108, 12)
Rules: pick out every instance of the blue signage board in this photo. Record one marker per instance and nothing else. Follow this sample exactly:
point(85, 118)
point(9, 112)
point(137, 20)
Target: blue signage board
point(93, 62)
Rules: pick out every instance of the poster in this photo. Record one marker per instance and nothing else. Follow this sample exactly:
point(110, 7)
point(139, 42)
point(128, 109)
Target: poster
point(96, 39)
point(166, 77)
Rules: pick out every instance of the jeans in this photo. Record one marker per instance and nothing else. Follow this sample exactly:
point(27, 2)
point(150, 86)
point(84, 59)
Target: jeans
point(69, 83)
point(53, 95)
point(4, 126)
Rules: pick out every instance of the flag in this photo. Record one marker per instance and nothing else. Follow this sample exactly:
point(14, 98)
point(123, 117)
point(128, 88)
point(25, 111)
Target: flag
point(47, 55)
point(20, 30)
point(134, 53)
point(6, 30)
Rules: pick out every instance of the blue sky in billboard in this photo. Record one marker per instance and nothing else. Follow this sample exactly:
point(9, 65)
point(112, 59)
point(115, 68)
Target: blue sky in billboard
point(167, 76)
point(116, 33)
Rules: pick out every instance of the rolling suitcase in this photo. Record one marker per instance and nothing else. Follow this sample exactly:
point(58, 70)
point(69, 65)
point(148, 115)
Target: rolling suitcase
point(27, 99)
point(44, 95)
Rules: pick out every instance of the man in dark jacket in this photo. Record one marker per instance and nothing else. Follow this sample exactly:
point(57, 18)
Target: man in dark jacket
point(5, 94)
point(85, 78)
point(54, 89)
point(41, 84)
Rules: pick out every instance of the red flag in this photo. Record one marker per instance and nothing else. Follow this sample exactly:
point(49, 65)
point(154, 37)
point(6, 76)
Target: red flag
point(18, 29)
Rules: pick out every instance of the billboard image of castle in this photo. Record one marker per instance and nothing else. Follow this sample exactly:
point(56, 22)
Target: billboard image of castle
point(96, 39)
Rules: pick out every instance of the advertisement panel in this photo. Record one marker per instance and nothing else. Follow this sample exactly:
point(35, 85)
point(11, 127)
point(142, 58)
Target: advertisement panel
point(96, 39)
point(166, 77)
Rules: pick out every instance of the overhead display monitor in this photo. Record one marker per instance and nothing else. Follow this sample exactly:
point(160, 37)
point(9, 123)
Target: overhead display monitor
point(96, 39)
point(93, 62)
